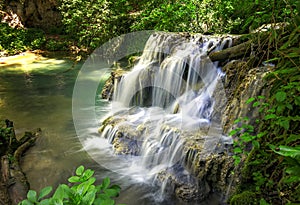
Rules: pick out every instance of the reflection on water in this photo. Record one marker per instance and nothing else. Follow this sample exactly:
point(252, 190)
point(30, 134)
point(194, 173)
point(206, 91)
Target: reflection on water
point(37, 93)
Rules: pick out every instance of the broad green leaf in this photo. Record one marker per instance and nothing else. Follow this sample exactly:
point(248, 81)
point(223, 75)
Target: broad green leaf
point(44, 192)
point(105, 183)
point(27, 202)
point(74, 179)
point(62, 192)
point(237, 150)
point(89, 198)
point(285, 124)
point(31, 196)
point(111, 192)
point(287, 151)
point(87, 174)
point(289, 106)
point(57, 202)
point(280, 108)
point(280, 96)
point(255, 104)
point(79, 170)
point(250, 100)
point(45, 202)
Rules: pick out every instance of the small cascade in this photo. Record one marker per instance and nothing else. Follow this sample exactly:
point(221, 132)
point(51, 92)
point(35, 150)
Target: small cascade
point(164, 110)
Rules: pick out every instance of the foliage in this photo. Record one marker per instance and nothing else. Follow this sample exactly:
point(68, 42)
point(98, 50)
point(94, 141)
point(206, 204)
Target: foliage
point(94, 22)
point(214, 16)
point(82, 192)
point(14, 40)
point(273, 164)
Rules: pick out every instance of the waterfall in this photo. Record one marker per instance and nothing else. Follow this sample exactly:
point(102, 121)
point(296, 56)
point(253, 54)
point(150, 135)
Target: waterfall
point(165, 104)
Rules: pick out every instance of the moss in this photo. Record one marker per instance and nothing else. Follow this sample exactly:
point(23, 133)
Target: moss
point(244, 198)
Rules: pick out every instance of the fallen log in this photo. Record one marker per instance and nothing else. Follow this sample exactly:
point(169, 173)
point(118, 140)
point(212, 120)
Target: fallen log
point(240, 50)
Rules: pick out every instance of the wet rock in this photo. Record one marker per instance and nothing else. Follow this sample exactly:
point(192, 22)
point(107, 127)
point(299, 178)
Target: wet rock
point(108, 88)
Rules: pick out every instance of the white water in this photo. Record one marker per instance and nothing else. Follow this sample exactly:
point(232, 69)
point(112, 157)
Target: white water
point(166, 98)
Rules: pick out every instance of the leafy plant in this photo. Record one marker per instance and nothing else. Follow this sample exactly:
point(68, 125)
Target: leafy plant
point(82, 192)
point(14, 40)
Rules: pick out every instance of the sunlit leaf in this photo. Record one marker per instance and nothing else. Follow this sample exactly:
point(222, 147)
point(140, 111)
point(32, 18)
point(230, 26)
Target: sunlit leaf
point(250, 100)
point(44, 192)
point(32, 196)
point(79, 170)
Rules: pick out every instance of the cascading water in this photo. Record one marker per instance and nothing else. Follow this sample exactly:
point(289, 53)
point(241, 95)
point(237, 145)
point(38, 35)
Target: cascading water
point(165, 107)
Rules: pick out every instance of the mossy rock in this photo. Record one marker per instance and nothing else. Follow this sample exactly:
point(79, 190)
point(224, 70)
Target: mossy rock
point(244, 198)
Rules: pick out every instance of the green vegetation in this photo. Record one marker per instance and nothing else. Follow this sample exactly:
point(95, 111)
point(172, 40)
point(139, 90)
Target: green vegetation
point(88, 24)
point(14, 40)
point(82, 192)
point(271, 169)
point(267, 151)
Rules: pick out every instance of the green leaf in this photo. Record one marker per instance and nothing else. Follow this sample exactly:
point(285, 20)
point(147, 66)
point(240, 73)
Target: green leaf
point(261, 134)
point(111, 192)
point(297, 100)
point(292, 179)
point(250, 100)
point(56, 202)
point(280, 96)
point(294, 170)
point(232, 132)
point(280, 108)
point(263, 202)
point(62, 191)
point(79, 170)
point(45, 202)
point(287, 151)
point(237, 150)
point(255, 104)
point(105, 183)
point(270, 116)
point(285, 124)
point(44, 192)
point(87, 174)
point(89, 198)
point(27, 202)
point(108, 202)
point(292, 138)
point(31, 196)
point(74, 179)
point(255, 144)
point(237, 121)
point(237, 160)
